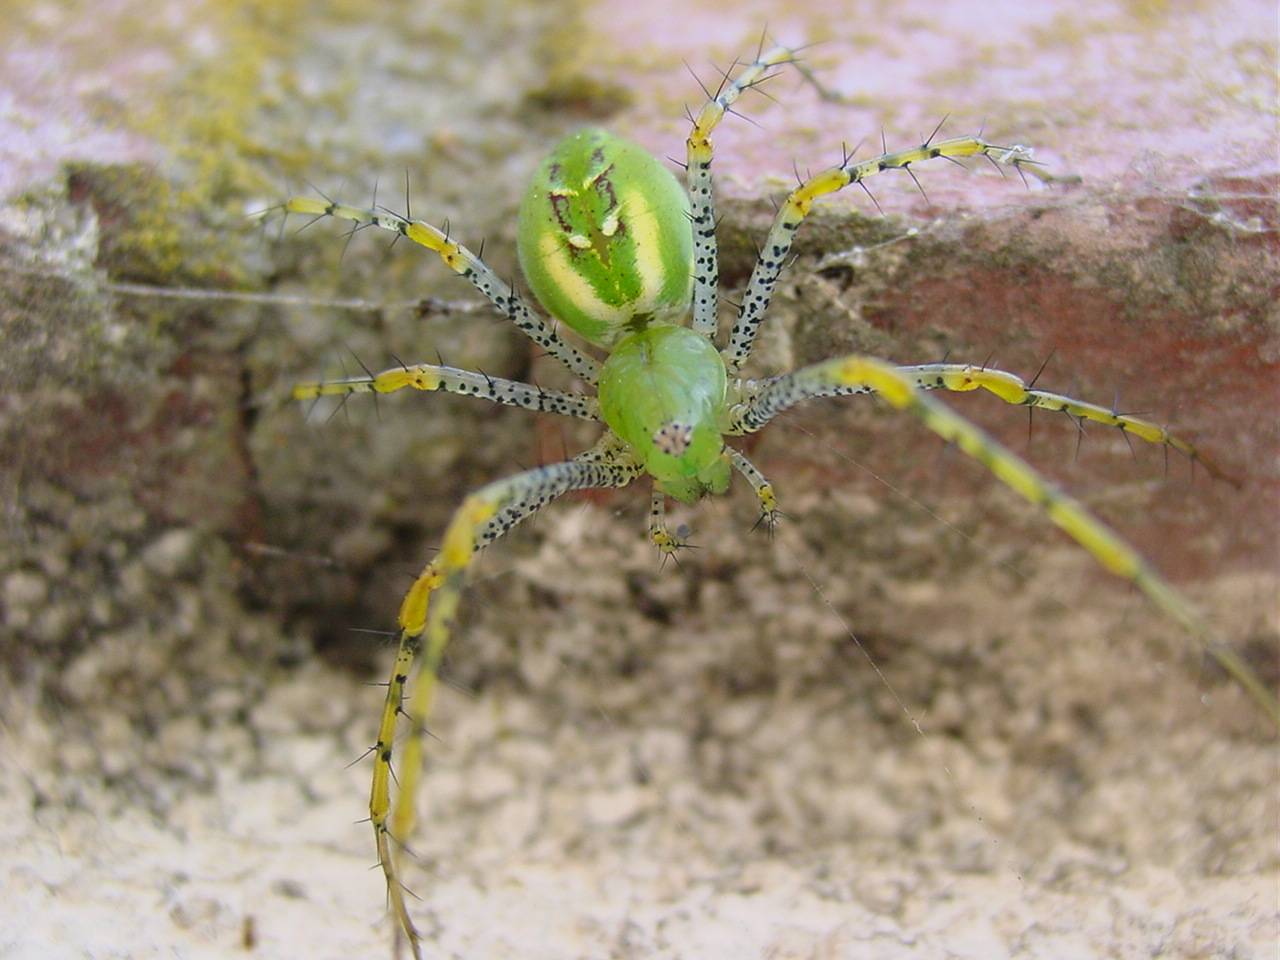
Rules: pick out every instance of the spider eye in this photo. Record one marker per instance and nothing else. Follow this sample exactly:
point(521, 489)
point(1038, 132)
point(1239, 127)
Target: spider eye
point(673, 438)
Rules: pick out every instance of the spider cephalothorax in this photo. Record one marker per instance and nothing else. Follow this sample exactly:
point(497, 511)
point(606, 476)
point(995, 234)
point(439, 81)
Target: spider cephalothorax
point(614, 248)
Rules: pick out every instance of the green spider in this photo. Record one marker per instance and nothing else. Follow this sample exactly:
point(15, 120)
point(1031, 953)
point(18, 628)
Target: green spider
point(616, 249)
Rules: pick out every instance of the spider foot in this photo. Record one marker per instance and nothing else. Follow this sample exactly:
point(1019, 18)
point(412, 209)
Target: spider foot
point(669, 545)
point(770, 517)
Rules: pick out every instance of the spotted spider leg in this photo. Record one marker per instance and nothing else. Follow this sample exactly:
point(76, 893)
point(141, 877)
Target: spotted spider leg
point(901, 387)
point(483, 516)
point(777, 245)
point(768, 397)
point(668, 544)
point(769, 512)
point(706, 269)
point(464, 263)
point(430, 377)
point(659, 535)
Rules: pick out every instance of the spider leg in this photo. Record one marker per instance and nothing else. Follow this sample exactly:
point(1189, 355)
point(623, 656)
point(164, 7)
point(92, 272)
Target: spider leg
point(424, 629)
point(706, 270)
point(426, 376)
point(769, 512)
point(959, 378)
point(1013, 389)
point(777, 247)
point(659, 535)
point(855, 374)
point(464, 263)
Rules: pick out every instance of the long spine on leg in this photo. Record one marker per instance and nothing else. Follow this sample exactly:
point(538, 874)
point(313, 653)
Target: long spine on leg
point(759, 484)
point(380, 792)
point(426, 619)
point(777, 247)
point(1012, 389)
point(854, 373)
point(706, 271)
point(770, 397)
point(658, 534)
point(466, 264)
point(668, 544)
point(430, 377)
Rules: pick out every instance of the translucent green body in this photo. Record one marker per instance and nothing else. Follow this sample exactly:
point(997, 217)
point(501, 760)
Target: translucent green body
point(662, 390)
point(606, 244)
point(604, 237)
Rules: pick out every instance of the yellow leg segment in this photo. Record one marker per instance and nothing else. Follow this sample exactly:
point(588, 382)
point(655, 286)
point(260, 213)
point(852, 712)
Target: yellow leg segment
point(1012, 389)
point(430, 377)
point(898, 386)
point(769, 512)
point(702, 214)
point(768, 397)
point(464, 263)
point(777, 247)
point(659, 535)
point(413, 612)
point(426, 619)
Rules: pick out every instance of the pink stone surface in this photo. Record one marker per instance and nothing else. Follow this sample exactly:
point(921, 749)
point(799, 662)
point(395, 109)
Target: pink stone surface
point(64, 82)
point(1153, 95)
point(1161, 120)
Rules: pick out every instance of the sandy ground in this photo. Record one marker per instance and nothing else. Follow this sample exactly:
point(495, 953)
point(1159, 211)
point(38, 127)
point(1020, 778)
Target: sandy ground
point(917, 723)
point(714, 772)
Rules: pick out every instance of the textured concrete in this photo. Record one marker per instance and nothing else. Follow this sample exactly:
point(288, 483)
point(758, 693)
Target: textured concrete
point(696, 762)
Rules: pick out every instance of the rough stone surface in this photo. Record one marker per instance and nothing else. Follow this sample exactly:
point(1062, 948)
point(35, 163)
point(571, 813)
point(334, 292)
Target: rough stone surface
point(1016, 758)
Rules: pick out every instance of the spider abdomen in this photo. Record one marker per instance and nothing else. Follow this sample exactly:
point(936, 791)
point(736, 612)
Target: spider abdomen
point(604, 237)
point(662, 390)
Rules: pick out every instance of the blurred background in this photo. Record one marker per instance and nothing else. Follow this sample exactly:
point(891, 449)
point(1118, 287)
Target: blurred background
point(717, 760)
